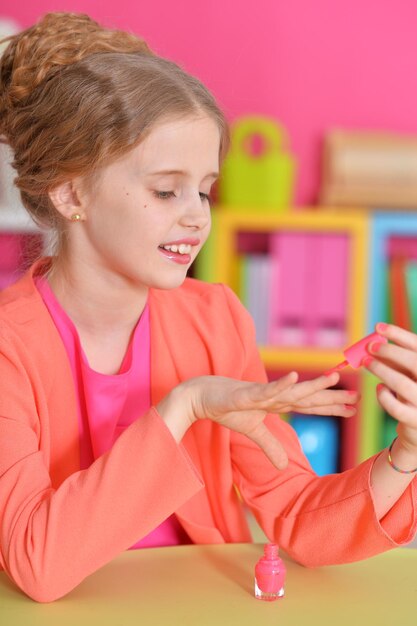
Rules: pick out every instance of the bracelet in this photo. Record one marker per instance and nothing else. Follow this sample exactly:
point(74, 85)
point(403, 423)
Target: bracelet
point(397, 469)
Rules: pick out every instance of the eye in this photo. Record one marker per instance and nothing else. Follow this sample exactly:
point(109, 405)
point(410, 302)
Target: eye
point(205, 196)
point(164, 195)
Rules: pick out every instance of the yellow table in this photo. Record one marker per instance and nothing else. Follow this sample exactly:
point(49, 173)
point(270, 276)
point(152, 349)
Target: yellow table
point(213, 585)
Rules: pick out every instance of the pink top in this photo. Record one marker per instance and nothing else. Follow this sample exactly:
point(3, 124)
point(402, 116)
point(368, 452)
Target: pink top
point(107, 404)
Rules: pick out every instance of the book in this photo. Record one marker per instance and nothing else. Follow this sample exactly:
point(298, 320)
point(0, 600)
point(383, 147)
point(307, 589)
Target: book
point(256, 269)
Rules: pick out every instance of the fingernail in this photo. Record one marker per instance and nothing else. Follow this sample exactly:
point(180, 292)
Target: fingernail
point(382, 326)
point(366, 361)
point(379, 387)
point(329, 372)
point(352, 393)
point(350, 407)
point(375, 346)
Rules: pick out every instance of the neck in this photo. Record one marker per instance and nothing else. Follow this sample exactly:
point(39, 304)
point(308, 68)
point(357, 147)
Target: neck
point(97, 300)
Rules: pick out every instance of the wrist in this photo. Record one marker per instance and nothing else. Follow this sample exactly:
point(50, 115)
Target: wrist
point(402, 456)
point(175, 411)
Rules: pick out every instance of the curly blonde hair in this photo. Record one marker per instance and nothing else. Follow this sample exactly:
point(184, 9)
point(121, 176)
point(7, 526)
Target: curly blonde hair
point(75, 96)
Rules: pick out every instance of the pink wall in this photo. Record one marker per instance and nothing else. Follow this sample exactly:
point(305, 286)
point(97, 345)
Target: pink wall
point(312, 65)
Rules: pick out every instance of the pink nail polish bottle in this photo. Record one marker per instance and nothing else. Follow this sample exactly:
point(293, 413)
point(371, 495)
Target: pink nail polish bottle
point(269, 575)
point(357, 352)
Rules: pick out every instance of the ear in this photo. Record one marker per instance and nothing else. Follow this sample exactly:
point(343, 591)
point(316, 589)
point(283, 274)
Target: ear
point(65, 198)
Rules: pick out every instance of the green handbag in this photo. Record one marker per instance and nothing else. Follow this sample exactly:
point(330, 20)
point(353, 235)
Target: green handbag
point(264, 180)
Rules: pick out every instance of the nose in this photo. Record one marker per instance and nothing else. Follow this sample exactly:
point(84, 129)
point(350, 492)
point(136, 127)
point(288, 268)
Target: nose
point(196, 213)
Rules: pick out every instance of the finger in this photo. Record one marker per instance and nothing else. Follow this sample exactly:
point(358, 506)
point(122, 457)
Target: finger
point(335, 410)
point(396, 381)
point(281, 384)
point(403, 413)
point(394, 355)
point(259, 395)
point(310, 387)
point(273, 449)
point(249, 395)
point(330, 396)
point(399, 335)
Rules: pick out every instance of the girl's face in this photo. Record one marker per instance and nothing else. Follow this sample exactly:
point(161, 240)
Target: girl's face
point(150, 214)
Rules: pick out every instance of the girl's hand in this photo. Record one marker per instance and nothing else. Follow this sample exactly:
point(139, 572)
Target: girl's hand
point(242, 406)
point(395, 364)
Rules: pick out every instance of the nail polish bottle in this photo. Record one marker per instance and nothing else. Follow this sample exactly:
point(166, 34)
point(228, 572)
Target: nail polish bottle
point(357, 352)
point(269, 575)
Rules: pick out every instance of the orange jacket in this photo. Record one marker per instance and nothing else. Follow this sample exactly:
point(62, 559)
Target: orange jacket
point(59, 524)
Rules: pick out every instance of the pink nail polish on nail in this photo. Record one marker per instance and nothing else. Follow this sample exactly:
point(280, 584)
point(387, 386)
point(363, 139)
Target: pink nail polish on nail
point(381, 326)
point(375, 346)
point(379, 387)
point(270, 575)
point(367, 360)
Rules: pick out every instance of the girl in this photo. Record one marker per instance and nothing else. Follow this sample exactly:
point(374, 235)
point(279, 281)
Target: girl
point(133, 403)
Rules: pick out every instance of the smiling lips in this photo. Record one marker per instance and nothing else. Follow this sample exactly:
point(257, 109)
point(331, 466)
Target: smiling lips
point(179, 251)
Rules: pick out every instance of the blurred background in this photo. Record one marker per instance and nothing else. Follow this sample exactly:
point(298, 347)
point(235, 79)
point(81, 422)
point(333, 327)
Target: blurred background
point(315, 214)
point(311, 65)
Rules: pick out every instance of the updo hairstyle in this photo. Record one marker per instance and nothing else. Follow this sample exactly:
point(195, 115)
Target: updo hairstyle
point(75, 96)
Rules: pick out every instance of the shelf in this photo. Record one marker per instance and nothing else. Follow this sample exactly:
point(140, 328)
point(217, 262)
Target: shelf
point(300, 357)
point(310, 218)
point(222, 260)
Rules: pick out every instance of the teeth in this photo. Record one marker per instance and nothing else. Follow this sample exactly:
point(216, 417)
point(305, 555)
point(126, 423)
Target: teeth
point(183, 248)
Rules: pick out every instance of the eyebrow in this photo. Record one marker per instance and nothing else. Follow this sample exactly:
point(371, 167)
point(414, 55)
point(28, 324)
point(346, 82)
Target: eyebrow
point(181, 172)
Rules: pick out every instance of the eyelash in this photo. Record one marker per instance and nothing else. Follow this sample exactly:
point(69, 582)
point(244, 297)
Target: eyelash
point(165, 195)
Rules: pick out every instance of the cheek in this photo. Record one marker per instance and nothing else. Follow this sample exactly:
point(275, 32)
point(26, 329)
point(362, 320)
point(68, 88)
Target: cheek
point(138, 231)
point(207, 229)
point(128, 220)
point(109, 230)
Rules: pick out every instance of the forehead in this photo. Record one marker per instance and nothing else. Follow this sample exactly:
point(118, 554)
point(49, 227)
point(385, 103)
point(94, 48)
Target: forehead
point(180, 144)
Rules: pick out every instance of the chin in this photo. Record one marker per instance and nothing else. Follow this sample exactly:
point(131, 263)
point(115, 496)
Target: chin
point(169, 283)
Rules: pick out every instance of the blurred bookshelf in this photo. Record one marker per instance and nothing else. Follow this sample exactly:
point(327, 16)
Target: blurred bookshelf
point(315, 280)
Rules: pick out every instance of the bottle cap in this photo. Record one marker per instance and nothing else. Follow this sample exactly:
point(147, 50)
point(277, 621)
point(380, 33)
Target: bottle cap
point(271, 550)
point(356, 353)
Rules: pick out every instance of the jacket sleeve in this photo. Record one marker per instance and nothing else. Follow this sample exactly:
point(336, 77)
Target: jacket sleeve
point(51, 539)
point(318, 520)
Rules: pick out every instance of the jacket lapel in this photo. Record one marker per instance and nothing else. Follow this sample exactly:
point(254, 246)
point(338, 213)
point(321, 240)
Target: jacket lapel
point(176, 356)
point(57, 407)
